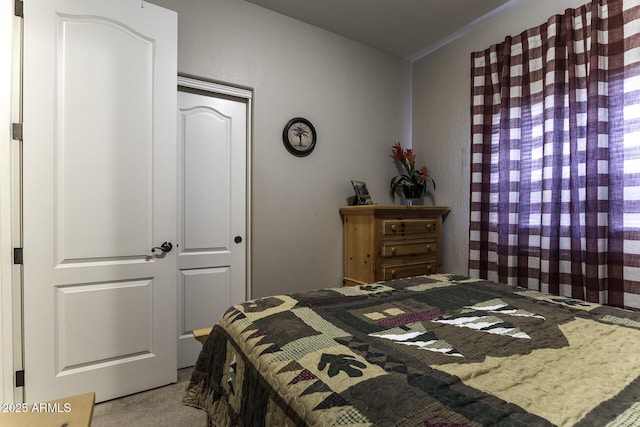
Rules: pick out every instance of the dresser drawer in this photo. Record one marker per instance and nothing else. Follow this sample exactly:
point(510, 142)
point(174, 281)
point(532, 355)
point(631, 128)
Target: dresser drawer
point(399, 227)
point(406, 248)
point(397, 271)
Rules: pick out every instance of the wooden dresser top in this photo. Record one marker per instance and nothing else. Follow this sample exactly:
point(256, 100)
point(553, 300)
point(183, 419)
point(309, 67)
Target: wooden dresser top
point(393, 210)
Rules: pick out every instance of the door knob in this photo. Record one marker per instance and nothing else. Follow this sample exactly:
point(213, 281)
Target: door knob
point(238, 239)
point(165, 247)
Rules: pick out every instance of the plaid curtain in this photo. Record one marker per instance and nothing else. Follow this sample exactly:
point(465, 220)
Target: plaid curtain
point(555, 168)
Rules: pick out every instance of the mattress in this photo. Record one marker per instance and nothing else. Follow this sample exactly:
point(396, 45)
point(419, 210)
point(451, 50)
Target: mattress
point(438, 350)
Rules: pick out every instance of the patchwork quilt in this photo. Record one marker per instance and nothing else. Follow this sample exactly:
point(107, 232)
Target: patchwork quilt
point(439, 350)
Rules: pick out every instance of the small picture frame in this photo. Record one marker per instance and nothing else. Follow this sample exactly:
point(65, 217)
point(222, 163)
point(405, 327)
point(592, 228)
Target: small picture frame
point(362, 194)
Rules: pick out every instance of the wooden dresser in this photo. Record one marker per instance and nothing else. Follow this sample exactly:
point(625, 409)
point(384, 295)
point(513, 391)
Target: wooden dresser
point(389, 242)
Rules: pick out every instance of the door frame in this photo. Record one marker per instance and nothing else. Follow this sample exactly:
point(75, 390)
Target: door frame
point(10, 188)
point(245, 93)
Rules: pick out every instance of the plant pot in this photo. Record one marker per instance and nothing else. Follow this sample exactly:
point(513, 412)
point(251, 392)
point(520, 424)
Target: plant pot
point(412, 192)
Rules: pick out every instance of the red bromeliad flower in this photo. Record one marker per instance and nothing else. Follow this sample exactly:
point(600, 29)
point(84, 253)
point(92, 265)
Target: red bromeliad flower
point(411, 157)
point(398, 152)
point(415, 180)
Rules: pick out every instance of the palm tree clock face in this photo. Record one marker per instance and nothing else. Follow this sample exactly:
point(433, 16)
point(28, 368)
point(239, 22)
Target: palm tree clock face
point(299, 137)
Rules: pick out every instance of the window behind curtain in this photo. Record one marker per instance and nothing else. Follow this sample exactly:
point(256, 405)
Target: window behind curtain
point(555, 168)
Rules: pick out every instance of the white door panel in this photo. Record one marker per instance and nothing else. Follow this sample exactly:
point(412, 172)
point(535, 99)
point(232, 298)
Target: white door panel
point(205, 294)
point(205, 290)
point(102, 167)
point(99, 193)
point(207, 193)
point(113, 339)
point(212, 136)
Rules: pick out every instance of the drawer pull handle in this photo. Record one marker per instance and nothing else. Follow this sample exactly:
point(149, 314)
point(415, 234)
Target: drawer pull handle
point(393, 274)
point(394, 227)
point(393, 250)
point(429, 249)
point(429, 268)
point(429, 227)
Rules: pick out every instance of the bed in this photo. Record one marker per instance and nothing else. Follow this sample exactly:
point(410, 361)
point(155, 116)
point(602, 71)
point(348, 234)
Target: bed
point(439, 350)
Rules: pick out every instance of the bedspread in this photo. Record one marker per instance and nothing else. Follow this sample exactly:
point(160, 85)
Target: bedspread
point(439, 350)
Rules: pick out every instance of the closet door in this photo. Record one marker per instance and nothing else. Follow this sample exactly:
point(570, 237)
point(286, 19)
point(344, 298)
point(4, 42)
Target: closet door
point(212, 139)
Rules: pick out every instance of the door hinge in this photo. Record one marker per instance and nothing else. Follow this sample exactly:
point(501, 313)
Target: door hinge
point(17, 256)
point(20, 378)
point(16, 131)
point(18, 8)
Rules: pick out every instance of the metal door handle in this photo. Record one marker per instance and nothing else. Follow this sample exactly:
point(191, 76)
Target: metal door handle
point(165, 247)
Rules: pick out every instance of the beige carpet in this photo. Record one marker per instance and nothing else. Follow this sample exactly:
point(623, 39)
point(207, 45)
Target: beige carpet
point(158, 407)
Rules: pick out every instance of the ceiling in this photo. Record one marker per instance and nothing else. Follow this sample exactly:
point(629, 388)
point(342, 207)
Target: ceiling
point(408, 29)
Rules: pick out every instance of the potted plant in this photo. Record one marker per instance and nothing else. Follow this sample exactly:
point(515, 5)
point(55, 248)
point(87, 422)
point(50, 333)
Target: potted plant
point(413, 182)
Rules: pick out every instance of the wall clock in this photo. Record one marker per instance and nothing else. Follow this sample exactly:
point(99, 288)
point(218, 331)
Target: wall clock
point(299, 137)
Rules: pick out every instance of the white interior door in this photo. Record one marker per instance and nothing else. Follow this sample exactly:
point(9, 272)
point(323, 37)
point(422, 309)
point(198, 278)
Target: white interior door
point(212, 136)
point(99, 192)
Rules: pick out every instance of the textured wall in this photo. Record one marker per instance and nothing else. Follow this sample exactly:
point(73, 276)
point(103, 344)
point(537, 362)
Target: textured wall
point(358, 100)
point(441, 114)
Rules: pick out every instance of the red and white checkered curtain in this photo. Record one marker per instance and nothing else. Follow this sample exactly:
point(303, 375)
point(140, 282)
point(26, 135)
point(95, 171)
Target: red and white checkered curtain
point(555, 168)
